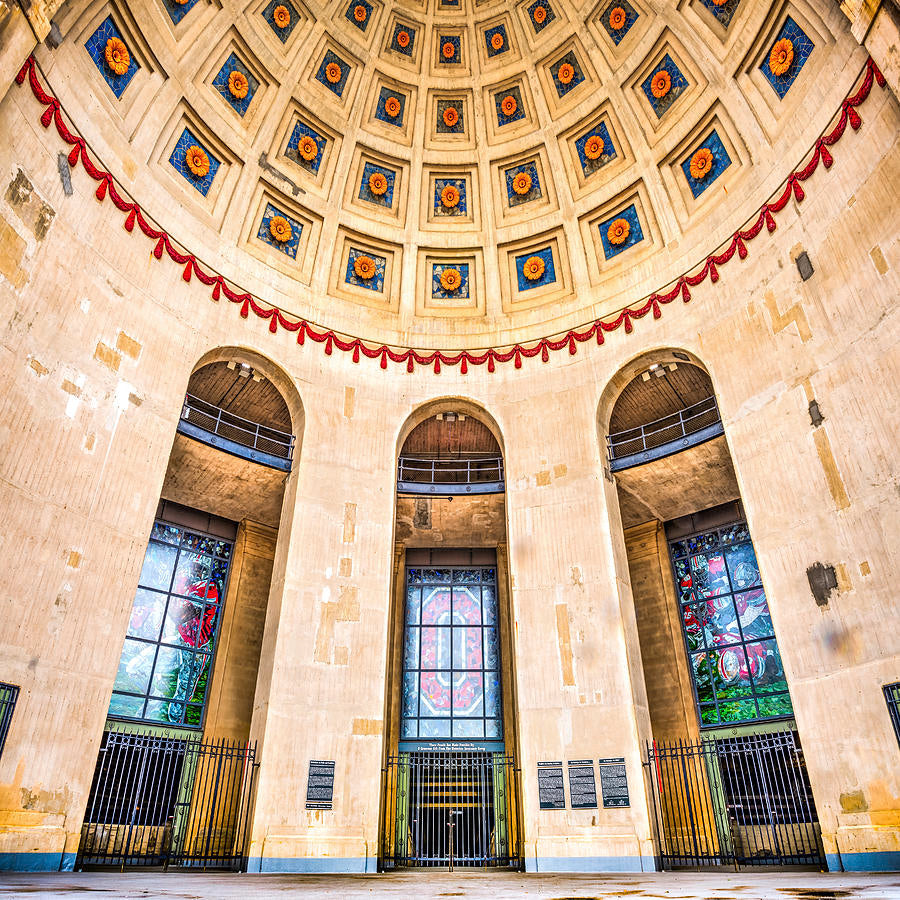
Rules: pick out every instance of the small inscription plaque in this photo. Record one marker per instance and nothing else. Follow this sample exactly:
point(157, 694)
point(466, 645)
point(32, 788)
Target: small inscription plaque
point(320, 784)
point(550, 785)
point(582, 787)
point(614, 782)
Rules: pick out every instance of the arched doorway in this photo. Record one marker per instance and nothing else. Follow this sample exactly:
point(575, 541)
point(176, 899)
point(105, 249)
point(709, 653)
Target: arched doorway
point(174, 779)
point(451, 792)
point(726, 767)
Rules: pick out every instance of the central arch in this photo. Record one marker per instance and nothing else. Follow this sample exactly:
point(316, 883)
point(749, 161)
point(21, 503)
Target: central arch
point(451, 793)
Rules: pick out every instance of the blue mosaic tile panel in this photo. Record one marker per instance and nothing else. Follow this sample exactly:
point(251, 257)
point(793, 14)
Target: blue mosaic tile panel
point(338, 86)
point(494, 35)
point(721, 161)
point(502, 118)
point(288, 247)
point(534, 17)
point(376, 282)
point(548, 276)
point(441, 126)
point(509, 175)
point(577, 78)
point(622, 14)
point(803, 47)
point(177, 11)
point(96, 48)
point(724, 12)
point(178, 161)
point(381, 112)
point(677, 85)
point(451, 4)
point(461, 208)
point(220, 83)
point(359, 12)
point(291, 152)
point(453, 39)
point(269, 15)
point(396, 40)
point(437, 289)
point(635, 235)
point(387, 198)
point(589, 166)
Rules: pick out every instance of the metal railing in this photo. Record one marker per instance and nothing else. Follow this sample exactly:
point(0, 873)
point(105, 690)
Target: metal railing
point(161, 801)
point(9, 693)
point(891, 696)
point(215, 426)
point(743, 801)
point(450, 809)
point(466, 475)
point(686, 428)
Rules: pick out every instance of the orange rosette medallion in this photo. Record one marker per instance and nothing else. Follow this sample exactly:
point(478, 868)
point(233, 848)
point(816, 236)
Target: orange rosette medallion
point(618, 232)
point(781, 57)
point(197, 161)
point(238, 86)
point(521, 183)
point(661, 84)
point(117, 56)
point(451, 279)
point(364, 267)
point(280, 229)
point(450, 196)
point(533, 268)
point(701, 163)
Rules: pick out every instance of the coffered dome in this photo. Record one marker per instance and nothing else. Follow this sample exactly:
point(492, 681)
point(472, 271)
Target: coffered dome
point(451, 173)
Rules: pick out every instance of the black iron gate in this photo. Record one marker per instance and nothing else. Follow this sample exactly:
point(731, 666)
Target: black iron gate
point(744, 801)
point(450, 809)
point(160, 801)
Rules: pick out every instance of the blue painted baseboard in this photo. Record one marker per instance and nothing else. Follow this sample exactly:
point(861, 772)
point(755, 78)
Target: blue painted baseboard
point(307, 865)
point(873, 861)
point(37, 862)
point(590, 864)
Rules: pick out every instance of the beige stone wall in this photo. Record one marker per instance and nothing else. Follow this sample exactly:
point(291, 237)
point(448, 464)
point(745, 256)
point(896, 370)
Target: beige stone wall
point(99, 340)
point(670, 698)
point(229, 706)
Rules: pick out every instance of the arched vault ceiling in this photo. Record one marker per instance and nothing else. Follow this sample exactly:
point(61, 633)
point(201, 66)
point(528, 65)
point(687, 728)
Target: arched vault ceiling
point(451, 173)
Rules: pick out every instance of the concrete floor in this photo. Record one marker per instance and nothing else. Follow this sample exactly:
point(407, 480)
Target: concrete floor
point(439, 885)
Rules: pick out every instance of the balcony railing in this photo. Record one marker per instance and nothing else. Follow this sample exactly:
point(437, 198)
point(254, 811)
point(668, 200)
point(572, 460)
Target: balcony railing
point(663, 437)
point(240, 437)
point(440, 477)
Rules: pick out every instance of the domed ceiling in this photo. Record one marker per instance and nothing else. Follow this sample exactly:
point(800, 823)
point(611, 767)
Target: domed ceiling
point(451, 173)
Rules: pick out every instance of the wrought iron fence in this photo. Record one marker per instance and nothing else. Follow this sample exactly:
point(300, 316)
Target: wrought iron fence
point(450, 476)
point(162, 801)
point(9, 694)
point(891, 696)
point(744, 801)
point(450, 809)
point(269, 442)
point(651, 441)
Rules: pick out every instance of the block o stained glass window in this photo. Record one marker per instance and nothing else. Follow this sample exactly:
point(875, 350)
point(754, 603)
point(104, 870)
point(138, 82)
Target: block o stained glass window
point(451, 655)
point(735, 663)
point(163, 673)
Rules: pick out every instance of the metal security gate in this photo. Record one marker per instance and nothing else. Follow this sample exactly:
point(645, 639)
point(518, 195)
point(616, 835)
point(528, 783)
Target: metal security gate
point(159, 801)
point(744, 801)
point(450, 809)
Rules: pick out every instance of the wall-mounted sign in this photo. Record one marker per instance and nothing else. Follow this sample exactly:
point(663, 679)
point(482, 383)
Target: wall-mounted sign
point(614, 782)
point(582, 787)
point(550, 785)
point(320, 784)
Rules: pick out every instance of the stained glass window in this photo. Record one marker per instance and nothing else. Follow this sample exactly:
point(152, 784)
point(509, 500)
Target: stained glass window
point(163, 672)
point(451, 655)
point(736, 666)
